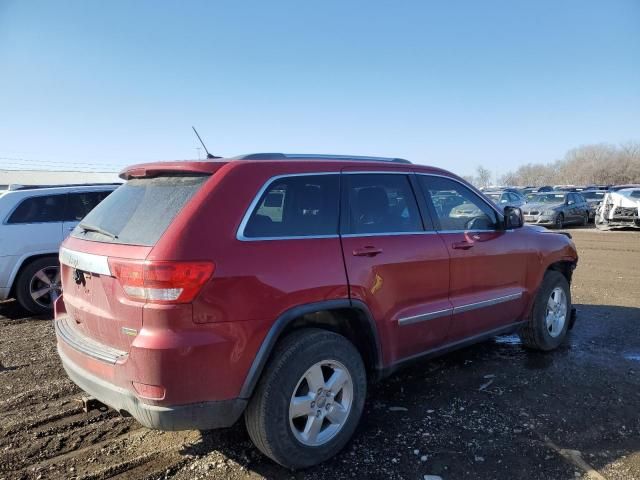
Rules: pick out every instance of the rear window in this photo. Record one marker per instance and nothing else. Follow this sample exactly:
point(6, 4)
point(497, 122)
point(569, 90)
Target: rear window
point(139, 212)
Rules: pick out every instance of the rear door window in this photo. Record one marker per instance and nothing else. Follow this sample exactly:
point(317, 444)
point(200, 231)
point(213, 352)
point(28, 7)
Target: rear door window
point(296, 206)
point(41, 209)
point(380, 203)
point(138, 212)
point(80, 204)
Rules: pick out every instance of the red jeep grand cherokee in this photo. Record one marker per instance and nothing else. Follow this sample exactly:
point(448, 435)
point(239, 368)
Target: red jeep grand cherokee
point(276, 285)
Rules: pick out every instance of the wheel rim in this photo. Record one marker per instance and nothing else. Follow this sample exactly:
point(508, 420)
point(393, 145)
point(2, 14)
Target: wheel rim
point(44, 287)
point(556, 315)
point(559, 221)
point(321, 403)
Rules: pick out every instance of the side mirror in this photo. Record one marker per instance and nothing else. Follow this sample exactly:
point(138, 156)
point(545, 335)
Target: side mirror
point(513, 218)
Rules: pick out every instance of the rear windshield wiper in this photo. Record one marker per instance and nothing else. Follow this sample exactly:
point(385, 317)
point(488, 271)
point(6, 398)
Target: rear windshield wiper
point(92, 228)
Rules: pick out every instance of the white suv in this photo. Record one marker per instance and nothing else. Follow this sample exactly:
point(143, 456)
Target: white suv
point(33, 222)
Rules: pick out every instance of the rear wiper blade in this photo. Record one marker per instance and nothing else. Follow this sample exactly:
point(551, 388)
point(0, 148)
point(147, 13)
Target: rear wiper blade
point(92, 228)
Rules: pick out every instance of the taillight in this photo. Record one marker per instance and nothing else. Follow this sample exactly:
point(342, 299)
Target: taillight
point(159, 281)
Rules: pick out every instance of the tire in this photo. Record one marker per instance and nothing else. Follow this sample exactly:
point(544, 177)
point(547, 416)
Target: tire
point(268, 416)
point(559, 221)
point(541, 332)
point(30, 282)
point(585, 219)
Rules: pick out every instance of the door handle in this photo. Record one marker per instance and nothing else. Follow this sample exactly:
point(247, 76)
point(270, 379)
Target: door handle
point(462, 245)
point(368, 251)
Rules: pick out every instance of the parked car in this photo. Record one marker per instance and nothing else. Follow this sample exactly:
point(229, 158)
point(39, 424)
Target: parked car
point(502, 198)
point(185, 309)
point(619, 208)
point(615, 188)
point(594, 199)
point(35, 220)
point(556, 209)
point(506, 198)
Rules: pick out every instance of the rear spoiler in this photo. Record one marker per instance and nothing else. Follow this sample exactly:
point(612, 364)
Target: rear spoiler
point(149, 170)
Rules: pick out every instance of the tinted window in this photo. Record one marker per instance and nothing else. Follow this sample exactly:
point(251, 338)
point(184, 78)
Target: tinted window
point(381, 203)
point(47, 208)
point(81, 203)
point(456, 206)
point(297, 206)
point(140, 211)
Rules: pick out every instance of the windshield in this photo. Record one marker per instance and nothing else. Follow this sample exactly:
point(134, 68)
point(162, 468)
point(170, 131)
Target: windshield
point(547, 198)
point(138, 212)
point(593, 195)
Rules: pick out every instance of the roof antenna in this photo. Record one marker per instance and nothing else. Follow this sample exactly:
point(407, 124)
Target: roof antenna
point(205, 147)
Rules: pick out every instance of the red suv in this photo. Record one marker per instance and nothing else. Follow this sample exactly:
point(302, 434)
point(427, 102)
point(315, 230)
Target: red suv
point(278, 285)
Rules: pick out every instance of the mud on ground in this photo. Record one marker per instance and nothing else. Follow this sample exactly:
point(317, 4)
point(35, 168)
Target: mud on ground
point(489, 411)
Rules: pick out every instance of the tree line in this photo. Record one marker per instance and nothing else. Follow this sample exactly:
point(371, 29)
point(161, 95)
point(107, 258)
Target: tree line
point(601, 164)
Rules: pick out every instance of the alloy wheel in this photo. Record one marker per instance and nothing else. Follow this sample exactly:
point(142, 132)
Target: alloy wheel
point(321, 403)
point(556, 313)
point(45, 286)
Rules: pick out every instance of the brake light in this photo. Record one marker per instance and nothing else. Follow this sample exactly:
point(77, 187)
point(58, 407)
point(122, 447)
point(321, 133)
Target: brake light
point(159, 281)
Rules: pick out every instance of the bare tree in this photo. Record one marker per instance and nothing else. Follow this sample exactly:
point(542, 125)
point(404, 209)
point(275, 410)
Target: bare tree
point(483, 176)
point(589, 164)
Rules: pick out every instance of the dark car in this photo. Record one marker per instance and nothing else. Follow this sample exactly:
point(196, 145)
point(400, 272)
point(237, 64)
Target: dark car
point(556, 209)
point(277, 286)
point(594, 199)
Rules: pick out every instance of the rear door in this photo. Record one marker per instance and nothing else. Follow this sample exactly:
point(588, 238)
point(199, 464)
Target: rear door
point(125, 226)
point(488, 264)
point(395, 264)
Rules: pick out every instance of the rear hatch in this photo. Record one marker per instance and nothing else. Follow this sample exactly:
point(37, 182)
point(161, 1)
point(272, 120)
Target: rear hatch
point(105, 278)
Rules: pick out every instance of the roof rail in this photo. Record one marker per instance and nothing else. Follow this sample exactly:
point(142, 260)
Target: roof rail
point(17, 186)
point(306, 156)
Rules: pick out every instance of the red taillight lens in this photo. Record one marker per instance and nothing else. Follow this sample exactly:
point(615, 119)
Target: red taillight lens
point(161, 282)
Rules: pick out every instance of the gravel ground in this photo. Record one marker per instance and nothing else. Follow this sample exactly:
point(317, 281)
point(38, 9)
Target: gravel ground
point(490, 411)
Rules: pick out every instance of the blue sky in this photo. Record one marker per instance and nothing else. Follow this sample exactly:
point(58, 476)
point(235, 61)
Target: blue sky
point(454, 84)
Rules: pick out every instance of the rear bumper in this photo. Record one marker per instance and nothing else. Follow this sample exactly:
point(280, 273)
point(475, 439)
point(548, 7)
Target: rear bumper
point(195, 416)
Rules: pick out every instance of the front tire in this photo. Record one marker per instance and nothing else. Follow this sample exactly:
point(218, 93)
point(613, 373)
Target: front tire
point(38, 285)
point(309, 399)
point(551, 315)
point(559, 222)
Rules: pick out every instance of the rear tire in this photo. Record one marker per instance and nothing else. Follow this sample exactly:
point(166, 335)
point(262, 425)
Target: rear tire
point(585, 219)
point(38, 285)
point(289, 436)
point(551, 314)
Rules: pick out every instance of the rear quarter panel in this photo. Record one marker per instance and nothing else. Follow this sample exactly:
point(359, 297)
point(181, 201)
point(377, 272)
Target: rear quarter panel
point(254, 281)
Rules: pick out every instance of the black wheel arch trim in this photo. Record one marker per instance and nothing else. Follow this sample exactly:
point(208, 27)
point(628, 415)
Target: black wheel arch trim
point(280, 325)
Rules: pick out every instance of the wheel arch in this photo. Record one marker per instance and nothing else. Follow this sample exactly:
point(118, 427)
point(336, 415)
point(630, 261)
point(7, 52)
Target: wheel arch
point(350, 318)
point(565, 267)
point(22, 264)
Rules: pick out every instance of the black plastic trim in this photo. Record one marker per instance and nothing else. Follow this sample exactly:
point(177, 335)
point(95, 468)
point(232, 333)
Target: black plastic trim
point(435, 352)
point(289, 316)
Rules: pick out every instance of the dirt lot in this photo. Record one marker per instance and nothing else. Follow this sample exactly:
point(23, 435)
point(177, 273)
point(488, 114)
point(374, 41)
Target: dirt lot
point(489, 411)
